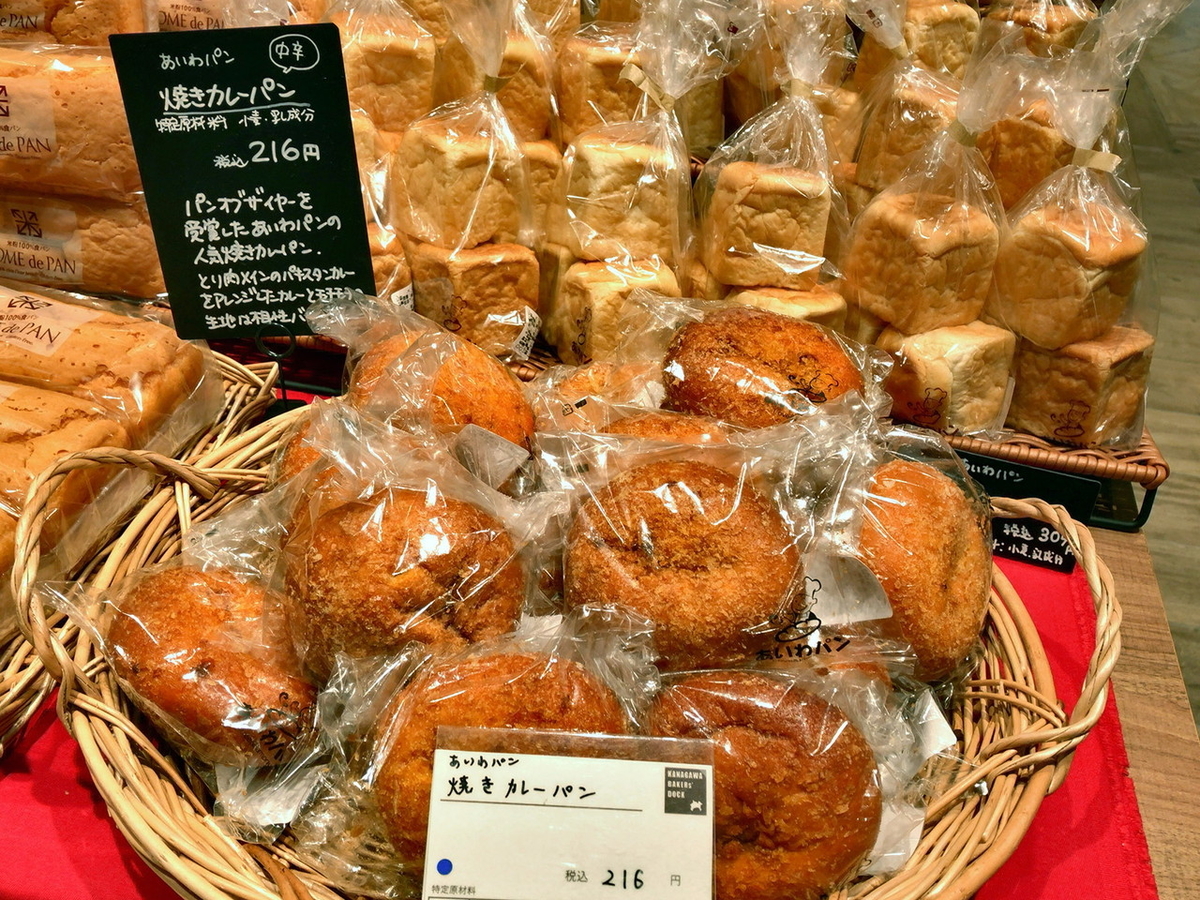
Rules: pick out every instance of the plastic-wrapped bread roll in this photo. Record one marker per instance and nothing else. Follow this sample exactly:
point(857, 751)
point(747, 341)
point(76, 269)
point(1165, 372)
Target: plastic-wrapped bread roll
point(487, 294)
point(389, 61)
point(701, 283)
point(921, 261)
point(954, 380)
point(939, 34)
point(78, 22)
point(393, 278)
point(765, 225)
point(1090, 393)
point(822, 304)
point(66, 128)
point(1052, 27)
point(586, 321)
point(619, 11)
point(591, 89)
point(526, 92)
point(431, 15)
point(558, 19)
point(96, 245)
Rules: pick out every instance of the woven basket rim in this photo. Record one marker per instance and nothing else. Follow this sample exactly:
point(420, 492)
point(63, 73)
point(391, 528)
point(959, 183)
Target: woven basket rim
point(969, 833)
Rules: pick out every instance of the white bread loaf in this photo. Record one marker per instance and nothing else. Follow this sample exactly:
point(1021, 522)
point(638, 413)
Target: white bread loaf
point(456, 187)
point(591, 302)
point(389, 69)
point(904, 122)
point(1088, 394)
point(482, 294)
point(1066, 275)
point(591, 89)
point(766, 225)
point(393, 278)
point(136, 368)
point(96, 245)
point(823, 304)
point(699, 282)
point(66, 131)
point(545, 169)
point(1052, 27)
point(526, 94)
point(78, 22)
point(939, 34)
point(953, 380)
point(623, 199)
point(921, 261)
point(1024, 150)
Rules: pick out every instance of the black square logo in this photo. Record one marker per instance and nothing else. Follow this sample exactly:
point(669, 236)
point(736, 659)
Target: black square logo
point(3, 101)
point(686, 791)
point(27, 222)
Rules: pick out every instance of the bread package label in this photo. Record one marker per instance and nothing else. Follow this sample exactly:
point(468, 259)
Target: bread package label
point(40, 243)
point(19, 21)
point(191, 15)
point(38, 324)
point(27, 119)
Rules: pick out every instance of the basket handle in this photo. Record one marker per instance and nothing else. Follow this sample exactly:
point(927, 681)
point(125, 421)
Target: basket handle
point(1058, 744)
point(31, 617)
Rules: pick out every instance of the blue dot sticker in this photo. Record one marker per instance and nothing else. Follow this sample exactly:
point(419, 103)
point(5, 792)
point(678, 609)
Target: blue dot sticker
point(445, 867)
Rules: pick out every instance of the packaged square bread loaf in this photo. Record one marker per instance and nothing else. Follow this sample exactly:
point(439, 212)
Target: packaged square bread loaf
point(95, 245)
point(824, 304)
point(461, 195)
point(939, 34)
point(1090, 393)
point(592, 91)
point(65, 132)
point(1051, 27)
point(766, 197)
point(121, 358)
point(1070, 266)
point(389, 62)
point(526, 77)
point(955, 380)
point(922, 252)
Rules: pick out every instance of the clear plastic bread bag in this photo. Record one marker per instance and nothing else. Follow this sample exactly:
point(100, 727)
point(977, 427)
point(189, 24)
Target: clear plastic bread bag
point(199, 644)
point(399, 548)
point(768, 206)
point(405, 369)
point(1070, 282)
point(751, 367)
point(1051, 28)
point(67, 131)
point(925, 534)
point(460, 194)
point(940, 36)
point(840, 740)
point(587, 673)
point(695, 537)
point(81, 23)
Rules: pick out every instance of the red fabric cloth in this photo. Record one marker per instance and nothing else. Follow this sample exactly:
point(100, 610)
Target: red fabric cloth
point(60, 845)
point(1089, 832)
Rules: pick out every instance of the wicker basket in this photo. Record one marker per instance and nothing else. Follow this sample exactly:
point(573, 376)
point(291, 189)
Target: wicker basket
point(24, 682)
point(1015, 735)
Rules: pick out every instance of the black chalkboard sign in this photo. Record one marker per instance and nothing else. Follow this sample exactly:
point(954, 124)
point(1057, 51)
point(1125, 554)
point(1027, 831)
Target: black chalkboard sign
point(246, 152)
point(1030, 540)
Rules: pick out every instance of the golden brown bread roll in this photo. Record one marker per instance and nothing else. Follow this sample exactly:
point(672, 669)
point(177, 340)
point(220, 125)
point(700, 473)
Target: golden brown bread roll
point(498, 690)
point(192, 644)
point(931, 551)
point(470, 388)
point(755, 368)
point(370, 575)
point(796, 792)
point(664, 425)
point(693, 548)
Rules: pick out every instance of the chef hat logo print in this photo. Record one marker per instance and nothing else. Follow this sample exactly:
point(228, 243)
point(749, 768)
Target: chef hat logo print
point(797, 624)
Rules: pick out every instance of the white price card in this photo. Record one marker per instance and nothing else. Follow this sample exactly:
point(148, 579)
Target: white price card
point(513, 826)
